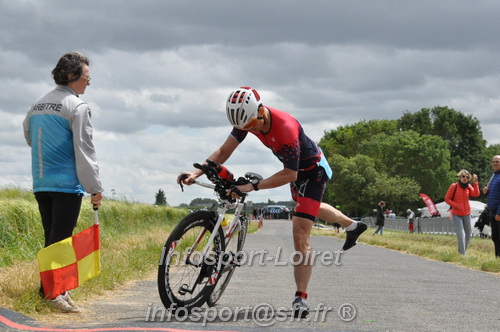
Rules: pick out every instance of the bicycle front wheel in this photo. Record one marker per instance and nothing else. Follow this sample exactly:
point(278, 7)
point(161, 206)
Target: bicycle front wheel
point(186, 277)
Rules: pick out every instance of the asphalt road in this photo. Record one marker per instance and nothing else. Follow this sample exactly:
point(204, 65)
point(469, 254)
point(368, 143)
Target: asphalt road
point(364, 289)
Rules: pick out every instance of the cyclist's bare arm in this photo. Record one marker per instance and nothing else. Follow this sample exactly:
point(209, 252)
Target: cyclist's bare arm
point(224, 151)
point(285, 176)
point(218, 156)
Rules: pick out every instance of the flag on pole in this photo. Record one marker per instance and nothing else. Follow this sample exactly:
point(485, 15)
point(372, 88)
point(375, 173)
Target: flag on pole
point(430, 204)
point(67, 264)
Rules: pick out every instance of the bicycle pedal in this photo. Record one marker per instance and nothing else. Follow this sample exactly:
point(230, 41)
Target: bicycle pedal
point(184, 289)
point(227, 257)
point(238, 259)
point(231, 259)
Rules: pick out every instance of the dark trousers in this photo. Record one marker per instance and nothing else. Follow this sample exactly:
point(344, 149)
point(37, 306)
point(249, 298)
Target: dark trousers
point(495, 232)
point(59, 212)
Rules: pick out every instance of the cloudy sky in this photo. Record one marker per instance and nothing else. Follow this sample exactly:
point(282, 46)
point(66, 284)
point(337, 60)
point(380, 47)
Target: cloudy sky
point(161, 71)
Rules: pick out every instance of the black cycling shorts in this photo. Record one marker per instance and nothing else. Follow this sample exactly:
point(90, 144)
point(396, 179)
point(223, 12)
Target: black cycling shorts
point(307, 192)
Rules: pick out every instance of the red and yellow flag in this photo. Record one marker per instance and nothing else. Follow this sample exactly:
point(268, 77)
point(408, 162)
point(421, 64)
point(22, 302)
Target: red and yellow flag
point(67, 264)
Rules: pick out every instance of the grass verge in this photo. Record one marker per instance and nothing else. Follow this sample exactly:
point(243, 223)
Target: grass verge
point(480, 254)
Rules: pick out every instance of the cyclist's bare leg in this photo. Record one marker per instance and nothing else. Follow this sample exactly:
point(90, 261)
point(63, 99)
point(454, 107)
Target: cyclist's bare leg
point(331, 215)
point(301, 240)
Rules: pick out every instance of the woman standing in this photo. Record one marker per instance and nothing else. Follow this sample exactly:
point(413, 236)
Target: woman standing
point(457, 198)
point(64, 163)
point(380, 218)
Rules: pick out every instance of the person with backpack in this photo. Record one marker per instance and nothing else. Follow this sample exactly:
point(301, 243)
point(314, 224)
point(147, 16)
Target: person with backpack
point(457, 198)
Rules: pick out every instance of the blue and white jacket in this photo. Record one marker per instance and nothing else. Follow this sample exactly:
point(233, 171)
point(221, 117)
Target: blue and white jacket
point(58, 129)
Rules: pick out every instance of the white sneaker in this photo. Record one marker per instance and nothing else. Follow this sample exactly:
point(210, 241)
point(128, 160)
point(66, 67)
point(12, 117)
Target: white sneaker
point(60, 303)
point(67, 298)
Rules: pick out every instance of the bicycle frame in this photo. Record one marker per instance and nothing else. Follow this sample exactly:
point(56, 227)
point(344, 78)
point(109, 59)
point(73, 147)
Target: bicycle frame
point(224, 205)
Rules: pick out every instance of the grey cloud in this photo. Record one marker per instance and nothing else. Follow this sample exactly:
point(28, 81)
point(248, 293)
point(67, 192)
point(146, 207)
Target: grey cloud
point(161, 71)
point(155, 25)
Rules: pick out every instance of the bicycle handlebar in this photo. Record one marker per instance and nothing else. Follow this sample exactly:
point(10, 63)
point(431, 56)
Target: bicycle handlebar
point(222, 187)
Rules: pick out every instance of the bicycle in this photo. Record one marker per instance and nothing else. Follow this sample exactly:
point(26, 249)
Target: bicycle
point(200, 255)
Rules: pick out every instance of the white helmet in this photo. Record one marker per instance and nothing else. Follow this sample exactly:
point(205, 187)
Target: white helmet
point(242, 105)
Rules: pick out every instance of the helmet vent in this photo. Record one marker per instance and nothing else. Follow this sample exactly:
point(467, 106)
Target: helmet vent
point(238, 97)
point(232, 118)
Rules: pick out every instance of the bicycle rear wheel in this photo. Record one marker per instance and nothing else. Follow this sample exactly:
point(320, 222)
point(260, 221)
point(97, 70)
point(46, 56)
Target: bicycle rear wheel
point(231, 251)
point(185, 277)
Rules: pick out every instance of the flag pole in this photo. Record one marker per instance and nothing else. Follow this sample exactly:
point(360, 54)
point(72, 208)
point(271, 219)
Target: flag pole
point(96, 216)
point(96, 213)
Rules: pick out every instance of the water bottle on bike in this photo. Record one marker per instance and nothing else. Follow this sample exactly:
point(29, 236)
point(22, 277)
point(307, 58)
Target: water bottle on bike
point(225, 225)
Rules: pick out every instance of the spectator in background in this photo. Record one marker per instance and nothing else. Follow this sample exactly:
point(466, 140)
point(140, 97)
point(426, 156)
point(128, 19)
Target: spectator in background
point(457, 198)
point(380, 222)
point(410, 220)
point(492, 190)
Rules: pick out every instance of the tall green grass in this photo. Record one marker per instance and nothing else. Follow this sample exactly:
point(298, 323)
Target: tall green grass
point(20, 226)
point(132, 235)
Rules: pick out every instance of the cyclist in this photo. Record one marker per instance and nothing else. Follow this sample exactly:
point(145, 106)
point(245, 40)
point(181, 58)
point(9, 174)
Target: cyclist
point(304, 167)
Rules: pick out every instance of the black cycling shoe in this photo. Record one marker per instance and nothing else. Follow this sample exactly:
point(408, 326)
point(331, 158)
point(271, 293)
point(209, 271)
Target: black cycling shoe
point(300, 308)
point(352, 236)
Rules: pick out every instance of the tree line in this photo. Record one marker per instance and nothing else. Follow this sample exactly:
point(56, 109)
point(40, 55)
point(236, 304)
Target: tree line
point(395, 160)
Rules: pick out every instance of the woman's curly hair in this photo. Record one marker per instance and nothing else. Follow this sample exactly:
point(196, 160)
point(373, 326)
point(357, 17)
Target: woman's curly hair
point(464, 172)
point(69, 63)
